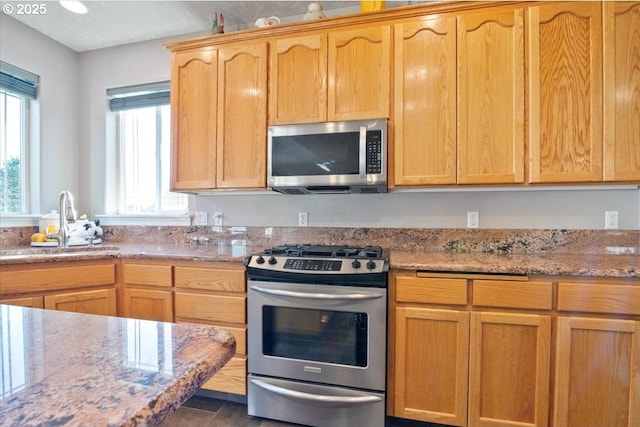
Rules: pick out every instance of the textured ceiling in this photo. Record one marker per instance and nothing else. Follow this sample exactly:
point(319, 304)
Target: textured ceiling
point(112, 23)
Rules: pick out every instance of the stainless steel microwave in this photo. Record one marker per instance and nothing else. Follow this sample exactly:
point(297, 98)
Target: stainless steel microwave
point(330, 157)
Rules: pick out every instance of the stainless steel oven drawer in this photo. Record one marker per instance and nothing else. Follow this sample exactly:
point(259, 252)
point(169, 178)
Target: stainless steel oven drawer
point(314, 404)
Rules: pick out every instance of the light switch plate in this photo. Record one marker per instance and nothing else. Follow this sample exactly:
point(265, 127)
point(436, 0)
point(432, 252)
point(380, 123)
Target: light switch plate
point(200, 218)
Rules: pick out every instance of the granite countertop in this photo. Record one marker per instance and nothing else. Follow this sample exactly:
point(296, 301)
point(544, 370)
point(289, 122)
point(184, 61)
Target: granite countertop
point(73, 369)
point(554, 264)
point(539, 263)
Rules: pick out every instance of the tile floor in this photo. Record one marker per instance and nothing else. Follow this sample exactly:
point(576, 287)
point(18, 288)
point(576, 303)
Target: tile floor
point(201, 411)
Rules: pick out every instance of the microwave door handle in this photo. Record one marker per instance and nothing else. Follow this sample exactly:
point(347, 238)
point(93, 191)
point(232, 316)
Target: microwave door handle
point(319, 398)
point(363, 152)
point(315, 295)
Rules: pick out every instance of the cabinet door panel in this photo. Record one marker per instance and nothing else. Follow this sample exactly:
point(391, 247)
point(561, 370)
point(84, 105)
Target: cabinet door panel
point(33, 302)
point(359, 73)
point(101, 301)
point(509, 369)
point(621, 91)
point(242, 117)
point(298, 80)
point(432, 365)
point(491, 97)
point(597, 373)
point(565, 92)
point(148, 304)
point(425, 101)
point(193, 119)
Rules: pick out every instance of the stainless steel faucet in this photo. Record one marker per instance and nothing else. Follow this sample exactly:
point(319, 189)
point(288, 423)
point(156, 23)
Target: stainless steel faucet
point(67, 214)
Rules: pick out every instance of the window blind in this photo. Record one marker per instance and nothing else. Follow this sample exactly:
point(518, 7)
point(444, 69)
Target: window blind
point(19, 81)
point(138, 96)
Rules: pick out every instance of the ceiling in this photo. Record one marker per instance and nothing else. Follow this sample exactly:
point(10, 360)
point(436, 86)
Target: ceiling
point(111, 23)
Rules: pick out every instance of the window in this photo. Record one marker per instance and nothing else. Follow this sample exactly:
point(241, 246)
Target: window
point(17, 88)
point(143, 133)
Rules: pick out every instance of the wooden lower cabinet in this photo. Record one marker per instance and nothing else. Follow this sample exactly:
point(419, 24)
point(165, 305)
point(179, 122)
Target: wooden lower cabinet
point(80, 286)
point(509, 369)
point(33, 302)
point(102, 301)
point(148, 304)
point(431, 375)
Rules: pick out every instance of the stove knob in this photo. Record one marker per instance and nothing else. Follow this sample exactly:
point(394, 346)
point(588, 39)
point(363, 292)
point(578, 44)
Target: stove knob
point(260, 260)
point(273, 260)
point(371, 265)
point(355, 264)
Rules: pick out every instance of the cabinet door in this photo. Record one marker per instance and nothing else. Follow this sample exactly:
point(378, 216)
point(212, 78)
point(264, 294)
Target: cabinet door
point(148, 304)
point(621, 91)
point(102, 301)
point(565, 92)
point(298, 80)
point(597, 373)
point(509, 370)
point(431, 365)
point(425, 101)
point(359, 62)
point(491, 97)
point(193, 119)
point(33, 302)
point(242, 117)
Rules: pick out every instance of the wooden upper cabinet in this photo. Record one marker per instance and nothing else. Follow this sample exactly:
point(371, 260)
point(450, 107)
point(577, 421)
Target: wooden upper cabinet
point(359, 62)
point(621, 91)
point(425, 101)
point(242, 116)
point(491, 97)
point(298, 80)
point(193, 119)
point(565, 92)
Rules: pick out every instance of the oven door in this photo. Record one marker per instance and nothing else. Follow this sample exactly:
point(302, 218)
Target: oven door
point(321, 333)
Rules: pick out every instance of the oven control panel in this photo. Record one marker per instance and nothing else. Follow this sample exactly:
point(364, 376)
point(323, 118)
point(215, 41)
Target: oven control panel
point(304, 265)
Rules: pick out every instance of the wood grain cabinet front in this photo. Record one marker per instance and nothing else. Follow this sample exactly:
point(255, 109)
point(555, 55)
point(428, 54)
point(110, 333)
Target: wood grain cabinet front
point(83, 287)
point(148, 290)
point(216, 295)
point(597, 368)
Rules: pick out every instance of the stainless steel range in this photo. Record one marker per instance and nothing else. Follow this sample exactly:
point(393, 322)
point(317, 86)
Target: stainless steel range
point(317, 325)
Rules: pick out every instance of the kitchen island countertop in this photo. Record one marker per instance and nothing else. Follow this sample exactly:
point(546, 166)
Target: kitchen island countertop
point(70, 369)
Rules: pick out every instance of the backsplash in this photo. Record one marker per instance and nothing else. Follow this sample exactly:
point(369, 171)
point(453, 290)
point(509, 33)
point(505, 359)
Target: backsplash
point(407, 239)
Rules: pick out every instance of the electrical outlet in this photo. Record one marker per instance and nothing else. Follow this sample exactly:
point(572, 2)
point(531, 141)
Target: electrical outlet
point(303, 219)
point(217, 219)
point(473, 219)
point(201, 218)
point(611, 219)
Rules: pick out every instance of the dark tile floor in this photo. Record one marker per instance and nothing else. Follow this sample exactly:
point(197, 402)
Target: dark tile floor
point(202, 411)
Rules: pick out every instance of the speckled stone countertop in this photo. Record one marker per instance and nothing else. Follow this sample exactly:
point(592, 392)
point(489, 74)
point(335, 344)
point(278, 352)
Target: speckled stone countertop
point(70, 369)
point(532, 252)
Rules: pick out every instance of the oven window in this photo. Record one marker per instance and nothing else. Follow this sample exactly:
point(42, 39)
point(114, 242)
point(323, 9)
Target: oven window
point(319, 154)
point(316, 335)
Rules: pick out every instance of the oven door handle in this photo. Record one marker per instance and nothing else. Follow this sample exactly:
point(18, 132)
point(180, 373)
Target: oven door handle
point(315, 295)
point(318, 398)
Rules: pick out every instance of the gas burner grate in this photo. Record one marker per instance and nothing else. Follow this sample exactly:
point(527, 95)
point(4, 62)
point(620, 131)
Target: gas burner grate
point(326, 251)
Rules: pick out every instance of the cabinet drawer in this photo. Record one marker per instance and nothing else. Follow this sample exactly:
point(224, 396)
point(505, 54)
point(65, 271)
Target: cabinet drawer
point(210, 308)
point(232, 378)
point(599, 298)
point(147, 274)
point(57, 278)
point(431, 290)
point(33, 302)
point(509, 294)
point(212, 279)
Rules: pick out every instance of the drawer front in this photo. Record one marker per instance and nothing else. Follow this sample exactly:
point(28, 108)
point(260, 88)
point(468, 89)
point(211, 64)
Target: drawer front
point(33, 302)
point(57, 278)
point(210, 308)
point(431, 290)
point(232, 378)
point(509, 294)
point(147, 274)
point(599, 298)
point(212, 279)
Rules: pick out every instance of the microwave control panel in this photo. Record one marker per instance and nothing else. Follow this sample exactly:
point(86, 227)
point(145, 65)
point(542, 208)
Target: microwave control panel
point(374, 152)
